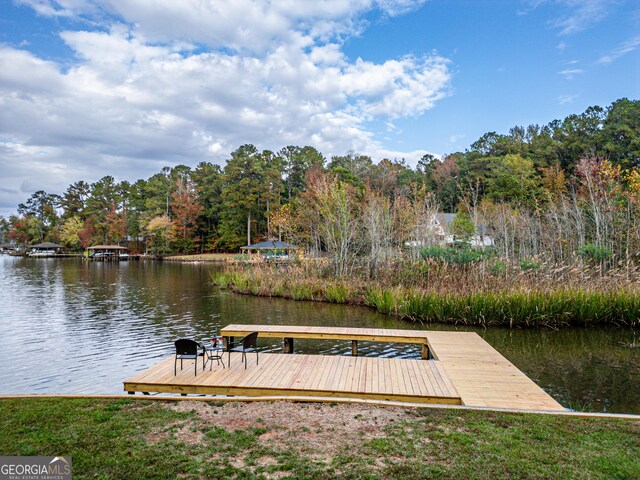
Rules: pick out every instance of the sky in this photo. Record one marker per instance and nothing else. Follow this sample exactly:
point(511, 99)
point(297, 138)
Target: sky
point(90, 88)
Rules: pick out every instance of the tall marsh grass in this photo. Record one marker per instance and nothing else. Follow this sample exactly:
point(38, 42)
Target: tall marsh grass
point(543, 297)
point(381, 299)
point(337, 293)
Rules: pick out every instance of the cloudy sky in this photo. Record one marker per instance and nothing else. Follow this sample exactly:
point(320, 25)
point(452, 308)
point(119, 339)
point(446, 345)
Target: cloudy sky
point(124, 87)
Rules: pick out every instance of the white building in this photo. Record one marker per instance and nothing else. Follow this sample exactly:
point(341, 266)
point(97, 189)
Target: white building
point(437, 231)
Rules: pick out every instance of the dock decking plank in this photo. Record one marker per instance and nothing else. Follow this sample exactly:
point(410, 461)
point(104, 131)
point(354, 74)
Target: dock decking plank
point(465, 369)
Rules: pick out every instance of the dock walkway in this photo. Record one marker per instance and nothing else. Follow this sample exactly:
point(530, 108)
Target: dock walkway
point(464, 370)
point(289, 332)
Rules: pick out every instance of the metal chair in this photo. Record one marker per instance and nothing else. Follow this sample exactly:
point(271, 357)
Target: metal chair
point(187, 349)
point(249, 344)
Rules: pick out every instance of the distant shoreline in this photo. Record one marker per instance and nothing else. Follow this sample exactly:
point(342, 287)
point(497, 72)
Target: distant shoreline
point(201, 257)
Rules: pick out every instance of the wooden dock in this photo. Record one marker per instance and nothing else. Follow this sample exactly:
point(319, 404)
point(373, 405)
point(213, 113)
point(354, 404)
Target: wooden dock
point(307, 375)
point(463, 370)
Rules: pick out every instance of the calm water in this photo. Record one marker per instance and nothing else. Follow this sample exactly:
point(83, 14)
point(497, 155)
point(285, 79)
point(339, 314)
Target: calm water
point(70, 326)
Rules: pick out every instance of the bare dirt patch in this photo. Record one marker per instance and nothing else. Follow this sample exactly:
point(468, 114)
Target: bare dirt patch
point(319, 430)
point(185, 433)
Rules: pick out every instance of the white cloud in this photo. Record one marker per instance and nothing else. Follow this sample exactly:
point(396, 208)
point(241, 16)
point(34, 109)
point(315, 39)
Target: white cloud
point(576, 15)
point(569, 73)
point(565, 99)
point(581, 14)
point(410, 157)
point(252, 25)
point(621, 50)
point(141, 95)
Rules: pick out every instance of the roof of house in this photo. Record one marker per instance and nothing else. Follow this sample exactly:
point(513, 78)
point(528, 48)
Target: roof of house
point(107, 247)
point(47, 245)
point(270, 246)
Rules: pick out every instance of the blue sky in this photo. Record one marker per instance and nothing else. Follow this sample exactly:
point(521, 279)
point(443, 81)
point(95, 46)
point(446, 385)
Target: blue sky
point(124, 87)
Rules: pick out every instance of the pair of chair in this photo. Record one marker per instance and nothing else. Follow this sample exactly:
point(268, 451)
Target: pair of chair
point(187, 349)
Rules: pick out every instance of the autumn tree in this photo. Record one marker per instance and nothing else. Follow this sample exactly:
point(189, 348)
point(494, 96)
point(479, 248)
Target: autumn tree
point(284, 223)
point(377, 227)
point(25, 230)
point(160, 233)
point(70, 232)
point(335, 212)
point(114, 226)
point(87, 233)
point(446, 182)
point(186, 209)
point(41, 208)
point(415, 220)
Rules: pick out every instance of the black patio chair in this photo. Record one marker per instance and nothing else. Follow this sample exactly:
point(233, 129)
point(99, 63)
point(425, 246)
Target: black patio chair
point(187, 349)
point(248, 344)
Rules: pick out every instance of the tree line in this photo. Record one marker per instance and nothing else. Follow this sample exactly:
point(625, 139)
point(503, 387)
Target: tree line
point(571, 187)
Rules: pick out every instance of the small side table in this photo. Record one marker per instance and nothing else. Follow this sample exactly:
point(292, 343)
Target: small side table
point(214, 351)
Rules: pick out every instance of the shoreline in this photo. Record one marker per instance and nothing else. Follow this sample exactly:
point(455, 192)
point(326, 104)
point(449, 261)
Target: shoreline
point(319, 400)
point(200, 257)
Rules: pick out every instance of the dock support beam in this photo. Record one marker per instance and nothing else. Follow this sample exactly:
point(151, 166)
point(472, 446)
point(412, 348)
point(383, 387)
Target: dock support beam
point(288, 345)
point(354, 348)
point(426, 354)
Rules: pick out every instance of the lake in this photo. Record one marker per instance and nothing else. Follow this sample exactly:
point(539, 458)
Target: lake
point(73, 326)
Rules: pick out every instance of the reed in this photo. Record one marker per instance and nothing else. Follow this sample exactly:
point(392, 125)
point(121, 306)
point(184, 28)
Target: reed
point(381, 299)
point(302, 291)
point(337, 293)
point(547, 296)
point(221, 279)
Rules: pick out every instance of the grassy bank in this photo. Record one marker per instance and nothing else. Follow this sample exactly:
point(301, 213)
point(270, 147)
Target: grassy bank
point(147, 439)
point(521, 301)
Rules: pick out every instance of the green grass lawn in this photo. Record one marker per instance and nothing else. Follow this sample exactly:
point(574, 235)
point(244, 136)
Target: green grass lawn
point(136, 439)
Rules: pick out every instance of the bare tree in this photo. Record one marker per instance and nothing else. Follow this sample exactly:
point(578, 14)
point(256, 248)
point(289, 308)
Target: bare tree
point(377, 223)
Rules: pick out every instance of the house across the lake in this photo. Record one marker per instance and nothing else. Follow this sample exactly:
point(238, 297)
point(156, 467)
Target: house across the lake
point(438, 231)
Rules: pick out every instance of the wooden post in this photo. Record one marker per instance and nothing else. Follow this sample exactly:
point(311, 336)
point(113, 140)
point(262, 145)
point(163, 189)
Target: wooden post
point(288, 345)
point(354, 348)
point(426, 354)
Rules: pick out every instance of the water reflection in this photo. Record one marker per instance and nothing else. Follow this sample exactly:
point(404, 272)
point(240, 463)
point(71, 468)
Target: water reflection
point(71, 326)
